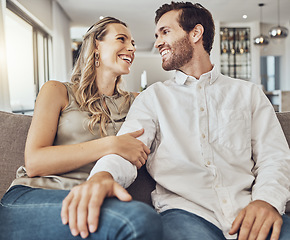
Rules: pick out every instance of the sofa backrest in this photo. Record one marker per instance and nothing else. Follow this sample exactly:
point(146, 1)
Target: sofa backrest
point(284, 119)
point(13, 132)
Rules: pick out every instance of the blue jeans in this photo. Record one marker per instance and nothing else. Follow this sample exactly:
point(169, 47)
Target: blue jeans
point(183, 225)
point(34, 214)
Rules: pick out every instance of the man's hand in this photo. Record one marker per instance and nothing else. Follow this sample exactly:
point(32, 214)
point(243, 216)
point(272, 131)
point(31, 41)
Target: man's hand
point(81, 207)
point(256, 220)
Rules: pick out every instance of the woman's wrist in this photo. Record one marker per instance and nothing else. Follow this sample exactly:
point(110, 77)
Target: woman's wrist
point(111, 145)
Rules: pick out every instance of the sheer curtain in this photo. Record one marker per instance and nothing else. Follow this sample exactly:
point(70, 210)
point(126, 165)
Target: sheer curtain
point(4, 86)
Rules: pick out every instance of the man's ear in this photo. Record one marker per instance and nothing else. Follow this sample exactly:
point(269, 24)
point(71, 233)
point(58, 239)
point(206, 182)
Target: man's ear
point(197, 32)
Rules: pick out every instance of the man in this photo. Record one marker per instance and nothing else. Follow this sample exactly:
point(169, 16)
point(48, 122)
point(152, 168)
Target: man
point(218, 153)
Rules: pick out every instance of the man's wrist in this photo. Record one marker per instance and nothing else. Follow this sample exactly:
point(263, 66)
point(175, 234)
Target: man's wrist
point(101, 175)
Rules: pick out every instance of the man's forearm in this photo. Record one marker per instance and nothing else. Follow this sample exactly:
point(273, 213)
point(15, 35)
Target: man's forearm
point(122, 170)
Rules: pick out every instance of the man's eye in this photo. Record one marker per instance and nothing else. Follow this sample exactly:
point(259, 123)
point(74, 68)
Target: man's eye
point(165, 31)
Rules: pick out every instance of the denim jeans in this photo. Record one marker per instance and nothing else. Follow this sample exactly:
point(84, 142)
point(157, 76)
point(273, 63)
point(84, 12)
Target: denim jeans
point(34, 214)
point(183, 225)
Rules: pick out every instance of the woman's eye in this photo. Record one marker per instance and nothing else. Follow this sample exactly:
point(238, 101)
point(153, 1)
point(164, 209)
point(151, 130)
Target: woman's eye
point(165, 31)
point(122, 39)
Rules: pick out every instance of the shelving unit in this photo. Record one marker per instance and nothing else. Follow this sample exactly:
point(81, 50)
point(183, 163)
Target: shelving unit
point(235, 52)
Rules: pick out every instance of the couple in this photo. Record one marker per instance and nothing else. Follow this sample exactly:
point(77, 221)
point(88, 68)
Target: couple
point(214, 146)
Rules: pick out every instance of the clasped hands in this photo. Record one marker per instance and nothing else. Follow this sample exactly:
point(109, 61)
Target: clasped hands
point(81, 207)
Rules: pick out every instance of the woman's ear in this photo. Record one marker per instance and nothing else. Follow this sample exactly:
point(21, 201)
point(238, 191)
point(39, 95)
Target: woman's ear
point(97, 44)
point(197, 32)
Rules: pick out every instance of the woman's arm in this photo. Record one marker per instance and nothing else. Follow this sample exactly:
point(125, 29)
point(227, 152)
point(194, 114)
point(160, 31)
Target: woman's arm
point(42, 158)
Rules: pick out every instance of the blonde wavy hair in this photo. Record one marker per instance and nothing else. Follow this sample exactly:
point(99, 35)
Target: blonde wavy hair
point(84, 77)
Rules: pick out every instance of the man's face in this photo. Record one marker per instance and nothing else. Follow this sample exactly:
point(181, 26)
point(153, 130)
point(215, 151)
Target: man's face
point(172, 42)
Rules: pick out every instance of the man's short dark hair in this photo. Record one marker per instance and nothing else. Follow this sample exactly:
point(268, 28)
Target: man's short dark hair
point(191, 15)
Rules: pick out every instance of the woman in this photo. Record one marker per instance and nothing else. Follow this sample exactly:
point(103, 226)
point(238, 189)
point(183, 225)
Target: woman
point(75, 124)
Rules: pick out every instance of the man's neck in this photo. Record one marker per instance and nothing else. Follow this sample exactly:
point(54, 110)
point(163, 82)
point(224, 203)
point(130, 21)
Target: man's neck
point(197, 66)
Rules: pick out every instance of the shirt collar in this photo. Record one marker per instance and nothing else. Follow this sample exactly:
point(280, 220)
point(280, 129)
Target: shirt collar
point(181, 78)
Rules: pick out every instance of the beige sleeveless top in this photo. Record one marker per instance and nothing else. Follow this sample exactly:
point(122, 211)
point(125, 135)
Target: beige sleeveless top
point(72, 129)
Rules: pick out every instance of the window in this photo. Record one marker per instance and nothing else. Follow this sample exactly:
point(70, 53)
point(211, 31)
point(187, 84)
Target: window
point(270, 73)
point(28, 58)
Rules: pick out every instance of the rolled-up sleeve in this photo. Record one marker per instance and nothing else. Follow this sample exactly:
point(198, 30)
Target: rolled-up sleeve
point(141, 115)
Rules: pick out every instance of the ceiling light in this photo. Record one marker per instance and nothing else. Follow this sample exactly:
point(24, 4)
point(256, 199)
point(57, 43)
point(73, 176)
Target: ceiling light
point(101, 17)
point(278, 32)
point(261, 39)
point(245, 16)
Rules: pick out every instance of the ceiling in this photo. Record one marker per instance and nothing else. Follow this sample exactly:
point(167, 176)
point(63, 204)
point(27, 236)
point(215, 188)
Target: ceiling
point(139, 14)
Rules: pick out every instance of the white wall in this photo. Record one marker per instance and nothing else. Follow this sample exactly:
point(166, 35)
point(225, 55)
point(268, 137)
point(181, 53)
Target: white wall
point(152, 64)
point(41, 9)
point(286, 77)
point(215, 56)
point(62, 53)
point(49, 15)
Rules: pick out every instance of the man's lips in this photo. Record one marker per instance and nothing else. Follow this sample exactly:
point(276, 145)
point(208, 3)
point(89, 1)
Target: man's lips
point(164, 52)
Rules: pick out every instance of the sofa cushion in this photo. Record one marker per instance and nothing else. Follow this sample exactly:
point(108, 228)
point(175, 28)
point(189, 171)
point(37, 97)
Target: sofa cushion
point(13, 132)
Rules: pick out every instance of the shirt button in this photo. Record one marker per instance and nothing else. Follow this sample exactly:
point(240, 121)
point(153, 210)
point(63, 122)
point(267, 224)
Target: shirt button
point(199, 87)
point(202, 109)
point(202, 135)
point(225, 201)
point(208, 162)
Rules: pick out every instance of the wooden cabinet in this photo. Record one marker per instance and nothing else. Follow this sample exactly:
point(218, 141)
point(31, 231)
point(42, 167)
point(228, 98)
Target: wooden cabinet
point(235, 52)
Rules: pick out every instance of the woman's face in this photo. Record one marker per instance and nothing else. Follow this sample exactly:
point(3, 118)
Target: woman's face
point(116, 50)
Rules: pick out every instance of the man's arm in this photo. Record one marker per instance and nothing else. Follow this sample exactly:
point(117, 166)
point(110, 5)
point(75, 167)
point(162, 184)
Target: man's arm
point(271, 155)
point(122, 171)
point(81, 207)
point(272, 163)
point(141, 115)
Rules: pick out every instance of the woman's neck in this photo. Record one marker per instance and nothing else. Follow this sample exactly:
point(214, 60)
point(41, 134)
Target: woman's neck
point(106, 83)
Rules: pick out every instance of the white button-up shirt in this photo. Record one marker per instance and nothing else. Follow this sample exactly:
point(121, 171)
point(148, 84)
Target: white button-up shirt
point(216, 145)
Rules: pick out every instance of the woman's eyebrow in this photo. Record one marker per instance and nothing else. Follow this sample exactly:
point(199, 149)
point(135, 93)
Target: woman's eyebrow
point(122, 34)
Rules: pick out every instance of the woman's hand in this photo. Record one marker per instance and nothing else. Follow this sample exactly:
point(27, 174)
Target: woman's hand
point(81, 207)
point(131, 148)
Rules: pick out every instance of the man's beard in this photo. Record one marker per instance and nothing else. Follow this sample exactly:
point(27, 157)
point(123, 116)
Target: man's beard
point(181, 54)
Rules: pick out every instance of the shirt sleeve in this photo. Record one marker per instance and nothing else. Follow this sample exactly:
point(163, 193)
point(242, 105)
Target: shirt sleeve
point(141, 115)
point(270, 153)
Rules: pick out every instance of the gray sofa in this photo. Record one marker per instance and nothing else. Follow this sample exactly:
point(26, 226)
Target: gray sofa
point(13, 131)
